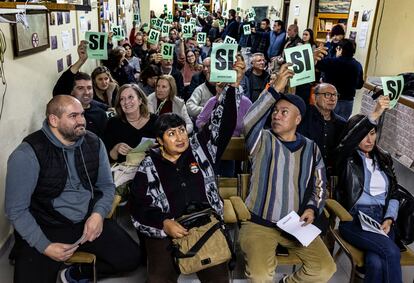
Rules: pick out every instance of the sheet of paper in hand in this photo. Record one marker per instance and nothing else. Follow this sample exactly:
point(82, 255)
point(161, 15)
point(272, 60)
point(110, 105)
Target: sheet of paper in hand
point(223, 57)
point(302, 59)
point(369, 224)
point(291, 224)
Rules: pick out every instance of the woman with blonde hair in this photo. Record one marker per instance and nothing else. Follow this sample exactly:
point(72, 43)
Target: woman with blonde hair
point(132, 122)
point(104, 86)
point(165, 100)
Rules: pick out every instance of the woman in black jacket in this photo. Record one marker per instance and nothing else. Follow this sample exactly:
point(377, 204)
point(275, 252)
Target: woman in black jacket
point(367, 184)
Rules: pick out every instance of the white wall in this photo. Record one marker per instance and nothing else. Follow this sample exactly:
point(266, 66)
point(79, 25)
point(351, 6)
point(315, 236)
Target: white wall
point(30, 81)
point(302, 18)
point(277, 4)
point(158, 6)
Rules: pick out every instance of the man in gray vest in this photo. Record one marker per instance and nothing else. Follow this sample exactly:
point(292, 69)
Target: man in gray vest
point(64, 195)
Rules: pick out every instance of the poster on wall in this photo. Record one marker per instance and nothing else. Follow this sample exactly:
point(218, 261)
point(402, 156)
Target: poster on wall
point(334, 6)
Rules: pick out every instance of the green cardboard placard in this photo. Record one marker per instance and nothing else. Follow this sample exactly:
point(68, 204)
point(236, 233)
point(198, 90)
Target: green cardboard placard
point(187, 30)
point(201, 2)
point(188, 11)
point(165, 30)
point(201, 38)
point(170, 17)
point(182, 20)
point(137, 18)
point(167, 51)
point(97, 45)
point(221, 23)
point(190, 2)
point(393, 87)
point(153, 21)
point(180, 6)
point(159, 23)
point(225, 14)
point(223, 57)
point(229, 40)
point(118, 33)
point(302, 59)
point(193, 21)
point(247, 30)
point(251, 13)
point(154, 36)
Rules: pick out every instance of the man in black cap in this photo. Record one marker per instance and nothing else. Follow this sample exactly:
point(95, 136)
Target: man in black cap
point(288, 174)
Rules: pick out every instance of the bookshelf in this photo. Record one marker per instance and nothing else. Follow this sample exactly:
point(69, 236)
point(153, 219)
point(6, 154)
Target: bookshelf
point(324, 22)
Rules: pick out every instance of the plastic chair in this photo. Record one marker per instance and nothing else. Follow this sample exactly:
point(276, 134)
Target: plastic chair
point(356, 256)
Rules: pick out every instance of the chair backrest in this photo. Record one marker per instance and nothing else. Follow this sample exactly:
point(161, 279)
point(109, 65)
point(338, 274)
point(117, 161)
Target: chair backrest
point(115, 203)
point(335, 209)
point(235, 150)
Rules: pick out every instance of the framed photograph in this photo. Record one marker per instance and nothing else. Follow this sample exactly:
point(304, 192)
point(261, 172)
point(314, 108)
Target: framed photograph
point(34, 39)
point(334, 6)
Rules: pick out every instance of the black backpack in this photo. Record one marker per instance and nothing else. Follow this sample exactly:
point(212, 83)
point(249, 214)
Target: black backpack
point(405, 220)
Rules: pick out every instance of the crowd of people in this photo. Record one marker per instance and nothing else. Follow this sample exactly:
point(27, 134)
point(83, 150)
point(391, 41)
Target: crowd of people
point(297, 138)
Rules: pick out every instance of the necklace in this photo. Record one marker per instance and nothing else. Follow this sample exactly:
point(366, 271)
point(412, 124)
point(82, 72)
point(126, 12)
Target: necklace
point(136, 120)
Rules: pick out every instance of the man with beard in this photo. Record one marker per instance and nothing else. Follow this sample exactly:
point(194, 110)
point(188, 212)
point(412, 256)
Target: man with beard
point(66, 192)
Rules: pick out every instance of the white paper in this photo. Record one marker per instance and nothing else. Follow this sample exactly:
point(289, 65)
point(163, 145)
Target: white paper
point(77, 243)
point(83, 23)
point(362, 35)
point(296, 11)
point(66, 40)
point(370, 225)
point(305, 234)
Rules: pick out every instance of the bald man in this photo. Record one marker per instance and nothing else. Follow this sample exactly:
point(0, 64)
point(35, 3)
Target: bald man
point(66, 192)
point(323, 125)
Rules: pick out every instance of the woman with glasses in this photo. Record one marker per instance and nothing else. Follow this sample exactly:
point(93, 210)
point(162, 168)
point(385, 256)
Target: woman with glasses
point(104, 86)
point(165, 100)
point(190, 67)
point(367, 184)
point(132, 122)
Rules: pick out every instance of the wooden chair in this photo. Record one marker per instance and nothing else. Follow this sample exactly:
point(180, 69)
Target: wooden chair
point(356, 256)
point(89, 258)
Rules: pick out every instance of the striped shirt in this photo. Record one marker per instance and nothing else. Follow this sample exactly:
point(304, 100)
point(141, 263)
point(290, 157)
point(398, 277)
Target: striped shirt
point(282, 180)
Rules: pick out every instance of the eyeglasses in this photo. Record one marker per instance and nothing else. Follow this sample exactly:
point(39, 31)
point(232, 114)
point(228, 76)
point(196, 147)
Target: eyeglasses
point(328, 94)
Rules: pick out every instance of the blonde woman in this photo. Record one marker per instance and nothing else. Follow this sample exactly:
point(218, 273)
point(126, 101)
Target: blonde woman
point(132, 122)
point(165, 100)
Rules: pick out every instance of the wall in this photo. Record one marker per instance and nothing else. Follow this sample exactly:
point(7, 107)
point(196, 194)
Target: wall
point(158, 6)
point(395, 39)
point(30, 81)
point(302, 17)
point(247, 4)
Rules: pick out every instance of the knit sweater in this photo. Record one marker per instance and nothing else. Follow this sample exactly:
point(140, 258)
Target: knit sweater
point(282, 179)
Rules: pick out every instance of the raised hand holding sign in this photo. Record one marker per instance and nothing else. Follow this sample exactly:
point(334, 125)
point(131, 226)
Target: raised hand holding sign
point(301, 58)
point(393, 87)
point(97, 45)
point(154, 36)
point(223, 56)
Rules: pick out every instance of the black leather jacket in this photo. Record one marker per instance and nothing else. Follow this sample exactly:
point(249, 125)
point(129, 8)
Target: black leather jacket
point(350, 166)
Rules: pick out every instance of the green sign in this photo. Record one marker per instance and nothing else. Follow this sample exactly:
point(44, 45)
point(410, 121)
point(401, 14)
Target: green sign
point(165, 30)
point(247, 30)
point(158, 24)
point(145, 27)
point(165, 9)
point(188, 12)
point(182, 20)
point(225, 14)
point(201, 38)
point(137, 18)
point(154, 36)
point(167, 51)
point(190, 2)
point(229, 40)
point(170, 17)
point(97, 45)
point(223, 57)
point(193, 21)
point(187, 30)
point(153, 21)
point(393, 87)
point(250, 15)
point(180, 6)
point(201, 2)
point(301, 58)
point(221, 23)
point(118, 33)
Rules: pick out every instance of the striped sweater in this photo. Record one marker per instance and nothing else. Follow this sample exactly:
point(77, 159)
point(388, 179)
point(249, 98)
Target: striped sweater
point(281, 180)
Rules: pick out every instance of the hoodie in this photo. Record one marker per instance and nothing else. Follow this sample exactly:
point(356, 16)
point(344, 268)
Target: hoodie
point(72, 202)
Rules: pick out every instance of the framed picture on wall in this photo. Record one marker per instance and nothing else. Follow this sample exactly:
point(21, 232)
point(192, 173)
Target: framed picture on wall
point(334, 6)
point(33, 39)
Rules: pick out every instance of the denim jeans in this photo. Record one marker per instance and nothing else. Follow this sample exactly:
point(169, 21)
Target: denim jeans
point(382, 255)
point(344, 108)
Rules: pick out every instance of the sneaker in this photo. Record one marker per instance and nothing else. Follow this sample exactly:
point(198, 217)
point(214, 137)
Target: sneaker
point(66, 276)
point(283, 280)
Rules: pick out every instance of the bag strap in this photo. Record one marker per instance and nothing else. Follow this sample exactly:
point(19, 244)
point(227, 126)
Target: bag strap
point(197, 246)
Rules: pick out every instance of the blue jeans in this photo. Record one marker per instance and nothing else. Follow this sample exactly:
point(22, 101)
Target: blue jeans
point(382, 255)
point(344, 108)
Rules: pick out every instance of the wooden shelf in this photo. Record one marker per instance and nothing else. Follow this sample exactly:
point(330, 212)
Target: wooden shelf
point(330, 18)
point(49, 6)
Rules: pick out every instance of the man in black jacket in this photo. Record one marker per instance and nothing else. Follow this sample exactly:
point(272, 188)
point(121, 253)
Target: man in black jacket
point(232, 28)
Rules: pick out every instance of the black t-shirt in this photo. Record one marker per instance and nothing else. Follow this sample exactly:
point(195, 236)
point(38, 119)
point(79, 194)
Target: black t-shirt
point(118, 131)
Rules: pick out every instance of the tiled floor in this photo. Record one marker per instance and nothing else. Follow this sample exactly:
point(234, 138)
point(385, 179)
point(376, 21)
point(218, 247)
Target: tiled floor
point(138, 276)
